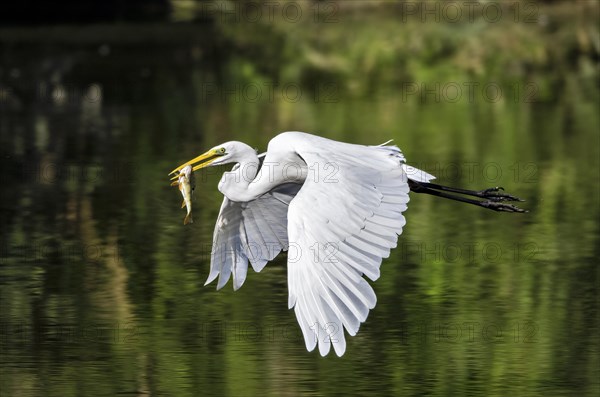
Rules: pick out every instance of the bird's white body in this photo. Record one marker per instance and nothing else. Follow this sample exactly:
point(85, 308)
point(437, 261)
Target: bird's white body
point(283, 164)
point(335, 207)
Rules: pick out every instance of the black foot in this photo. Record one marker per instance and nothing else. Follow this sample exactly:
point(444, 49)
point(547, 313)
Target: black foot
point(493, 194)
point(501, 207)
point(493, 198)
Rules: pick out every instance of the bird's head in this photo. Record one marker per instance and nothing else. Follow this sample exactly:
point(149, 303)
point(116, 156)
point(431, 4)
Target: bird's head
point(225, 153)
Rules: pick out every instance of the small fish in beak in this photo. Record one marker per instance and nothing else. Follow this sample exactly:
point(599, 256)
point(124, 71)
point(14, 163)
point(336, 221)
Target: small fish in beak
point(186, 183)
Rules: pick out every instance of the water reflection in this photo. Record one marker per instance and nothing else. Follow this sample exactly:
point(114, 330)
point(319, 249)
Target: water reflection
point(102, 288)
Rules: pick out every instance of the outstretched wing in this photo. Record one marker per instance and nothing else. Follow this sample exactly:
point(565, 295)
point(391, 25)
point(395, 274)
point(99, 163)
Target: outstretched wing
point(344, 220)
point(254, 231)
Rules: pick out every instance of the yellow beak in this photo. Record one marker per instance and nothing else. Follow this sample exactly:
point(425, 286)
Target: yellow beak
point(204, 159)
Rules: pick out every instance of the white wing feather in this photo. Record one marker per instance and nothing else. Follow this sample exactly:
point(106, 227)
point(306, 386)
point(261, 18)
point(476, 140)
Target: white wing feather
point(341, 227)
point(255, 231)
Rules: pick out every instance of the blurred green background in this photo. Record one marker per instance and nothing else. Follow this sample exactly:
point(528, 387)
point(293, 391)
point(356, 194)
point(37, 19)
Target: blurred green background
point(102, 286)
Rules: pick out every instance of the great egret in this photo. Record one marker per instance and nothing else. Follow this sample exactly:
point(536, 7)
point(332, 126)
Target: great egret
point(335, 207)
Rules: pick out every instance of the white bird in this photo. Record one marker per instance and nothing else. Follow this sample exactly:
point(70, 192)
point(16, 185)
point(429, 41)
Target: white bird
point(335, 207)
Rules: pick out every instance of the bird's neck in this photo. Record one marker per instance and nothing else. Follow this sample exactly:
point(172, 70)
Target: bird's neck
point(240, 183)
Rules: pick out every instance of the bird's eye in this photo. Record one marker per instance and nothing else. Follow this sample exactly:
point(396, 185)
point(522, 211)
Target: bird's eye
point(222, 150)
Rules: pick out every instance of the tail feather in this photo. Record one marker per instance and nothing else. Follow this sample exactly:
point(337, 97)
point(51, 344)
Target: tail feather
point(416, 174)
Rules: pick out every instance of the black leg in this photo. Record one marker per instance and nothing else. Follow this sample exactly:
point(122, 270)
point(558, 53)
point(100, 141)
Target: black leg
point(494, 201)
point(493, 193)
